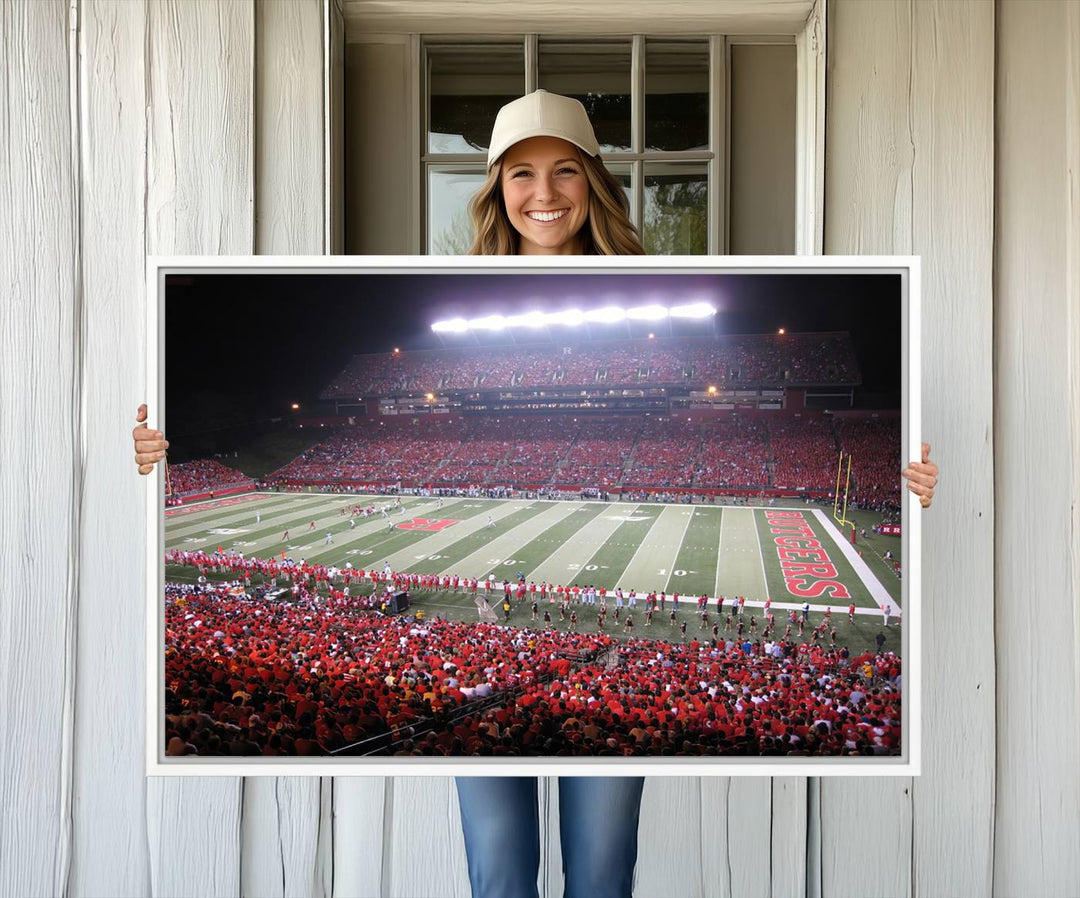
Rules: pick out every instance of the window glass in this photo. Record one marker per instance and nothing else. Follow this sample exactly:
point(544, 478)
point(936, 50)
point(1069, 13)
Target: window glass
point(467, 85)
point(597, 74)
point(676, 95)
point(449, 192)
point(676, 208)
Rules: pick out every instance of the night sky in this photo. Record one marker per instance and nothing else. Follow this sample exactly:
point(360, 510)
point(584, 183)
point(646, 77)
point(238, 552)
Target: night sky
point(246, 346)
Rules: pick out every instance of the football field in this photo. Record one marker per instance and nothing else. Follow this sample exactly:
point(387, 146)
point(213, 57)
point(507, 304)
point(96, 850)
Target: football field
point(793, 554)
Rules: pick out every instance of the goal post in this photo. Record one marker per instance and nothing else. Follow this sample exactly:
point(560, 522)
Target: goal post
point(843, 479)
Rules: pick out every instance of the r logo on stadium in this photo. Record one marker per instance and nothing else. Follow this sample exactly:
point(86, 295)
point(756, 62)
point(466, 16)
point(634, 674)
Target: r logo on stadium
point(425, 524)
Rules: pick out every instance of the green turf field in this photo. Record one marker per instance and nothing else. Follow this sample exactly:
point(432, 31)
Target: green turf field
point(719, 550)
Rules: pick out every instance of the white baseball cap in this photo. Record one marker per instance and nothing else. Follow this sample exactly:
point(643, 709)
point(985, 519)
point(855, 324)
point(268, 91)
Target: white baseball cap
point(541, 114)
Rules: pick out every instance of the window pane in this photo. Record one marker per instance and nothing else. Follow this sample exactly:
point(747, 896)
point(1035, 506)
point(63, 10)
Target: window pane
point(624, 176)
point(467, 84)
point(449, 192)
point(676, 209)
point(597, 74)
point(676, 95)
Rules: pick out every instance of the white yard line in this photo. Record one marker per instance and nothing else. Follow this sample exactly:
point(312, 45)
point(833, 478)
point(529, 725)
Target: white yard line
point(597, 537)
point(719, 554)
point(645, 541)
point(761, 557)
point(405, 559)
point(512, 539)
point(862, 570)
point(678, 548)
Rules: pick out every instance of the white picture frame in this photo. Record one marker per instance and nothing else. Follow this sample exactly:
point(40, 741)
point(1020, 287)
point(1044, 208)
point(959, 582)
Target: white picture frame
point(908, 763)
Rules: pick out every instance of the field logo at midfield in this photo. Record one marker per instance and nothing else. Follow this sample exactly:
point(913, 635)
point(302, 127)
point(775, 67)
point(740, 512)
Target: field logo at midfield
point(425, 524)
point(808, 571)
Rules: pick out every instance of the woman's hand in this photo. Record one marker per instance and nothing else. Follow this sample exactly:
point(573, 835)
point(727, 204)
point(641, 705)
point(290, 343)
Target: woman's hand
point(922, 477)
point(150, 445)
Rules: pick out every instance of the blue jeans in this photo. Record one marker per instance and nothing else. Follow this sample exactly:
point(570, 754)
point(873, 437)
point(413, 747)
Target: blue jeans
point(598, 823)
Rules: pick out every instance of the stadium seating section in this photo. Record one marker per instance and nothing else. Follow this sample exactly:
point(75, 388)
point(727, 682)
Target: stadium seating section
point(635, 452)
point(744, 361)
point(249, 677)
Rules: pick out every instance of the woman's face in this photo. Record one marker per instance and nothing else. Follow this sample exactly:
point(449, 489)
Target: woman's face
point(546, 195)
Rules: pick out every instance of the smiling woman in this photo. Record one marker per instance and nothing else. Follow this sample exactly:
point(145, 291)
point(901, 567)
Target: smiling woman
point(547, 191)
point(546, 195)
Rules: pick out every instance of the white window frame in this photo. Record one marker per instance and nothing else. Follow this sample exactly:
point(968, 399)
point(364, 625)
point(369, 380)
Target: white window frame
point(809, 127)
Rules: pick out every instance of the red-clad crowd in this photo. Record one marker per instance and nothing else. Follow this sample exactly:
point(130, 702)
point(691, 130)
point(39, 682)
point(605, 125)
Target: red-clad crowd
point(635, 452)
point(804, 453)
point(762, 360)
point(204, 475)
point(874, 445)
point(247, 676)
point(733, 453)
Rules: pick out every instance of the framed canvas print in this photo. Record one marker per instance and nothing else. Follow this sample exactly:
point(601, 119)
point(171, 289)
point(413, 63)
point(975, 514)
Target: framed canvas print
point(495, 515)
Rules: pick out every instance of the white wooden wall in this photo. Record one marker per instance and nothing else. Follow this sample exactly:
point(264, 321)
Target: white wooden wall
point(187, 126)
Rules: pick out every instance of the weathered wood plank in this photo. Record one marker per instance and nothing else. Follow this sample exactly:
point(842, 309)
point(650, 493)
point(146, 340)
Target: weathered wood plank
point(289, 127)
point(424, 855)
point(111, 854)
point(41, 463)
point(909, 170)
point(675, 813)
point(952, 83)
point(280, 837)
point(361, 809)
point(788, 844)
point(199, 201)
point(1036, 829)
point(200, 184)
point(868, 196)
point(282, 815)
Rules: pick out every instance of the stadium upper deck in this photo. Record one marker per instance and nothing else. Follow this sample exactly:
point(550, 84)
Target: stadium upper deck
point(762, 360)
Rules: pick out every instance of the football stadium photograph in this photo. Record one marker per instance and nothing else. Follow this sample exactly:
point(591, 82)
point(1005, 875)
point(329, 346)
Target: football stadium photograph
point(533, 515)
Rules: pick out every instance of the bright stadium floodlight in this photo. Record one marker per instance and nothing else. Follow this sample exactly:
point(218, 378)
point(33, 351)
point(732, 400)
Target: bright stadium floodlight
point(452, 326)
point(606, 315)
point(569, 317)
point(488, 323)
point(693, 310)
point(647, 313)
point(527, 319)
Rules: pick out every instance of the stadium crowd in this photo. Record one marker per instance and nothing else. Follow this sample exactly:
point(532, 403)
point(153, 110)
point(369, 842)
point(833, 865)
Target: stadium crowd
point(204, 475)
point(763, 360)
point(246, 676)
point(635, 452)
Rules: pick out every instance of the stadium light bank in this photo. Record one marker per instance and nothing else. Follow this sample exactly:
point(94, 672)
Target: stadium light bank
point(574, 317)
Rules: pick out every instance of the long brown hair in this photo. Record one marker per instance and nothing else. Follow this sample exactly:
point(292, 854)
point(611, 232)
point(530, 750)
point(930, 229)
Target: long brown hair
point(608, 230)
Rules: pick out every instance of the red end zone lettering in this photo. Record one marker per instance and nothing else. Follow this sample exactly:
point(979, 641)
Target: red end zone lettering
point(425, 524)
point(797, 542)
point(800, 542)
point(797, 587)
point(791, 568)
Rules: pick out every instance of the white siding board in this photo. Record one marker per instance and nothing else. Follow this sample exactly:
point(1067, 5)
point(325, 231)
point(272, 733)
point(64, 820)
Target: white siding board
point(111, 853)
point(283, 815)
point(909, 170)
point(424, 856)
point(670, 838)
point(952, 122)
point(1038, 786)
point(40, 451)
point(289, 127)
point(200, 185)
point(868, 159)
point(199, 197)
point(360, 811)
point(280, 837)
point(788, 843)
